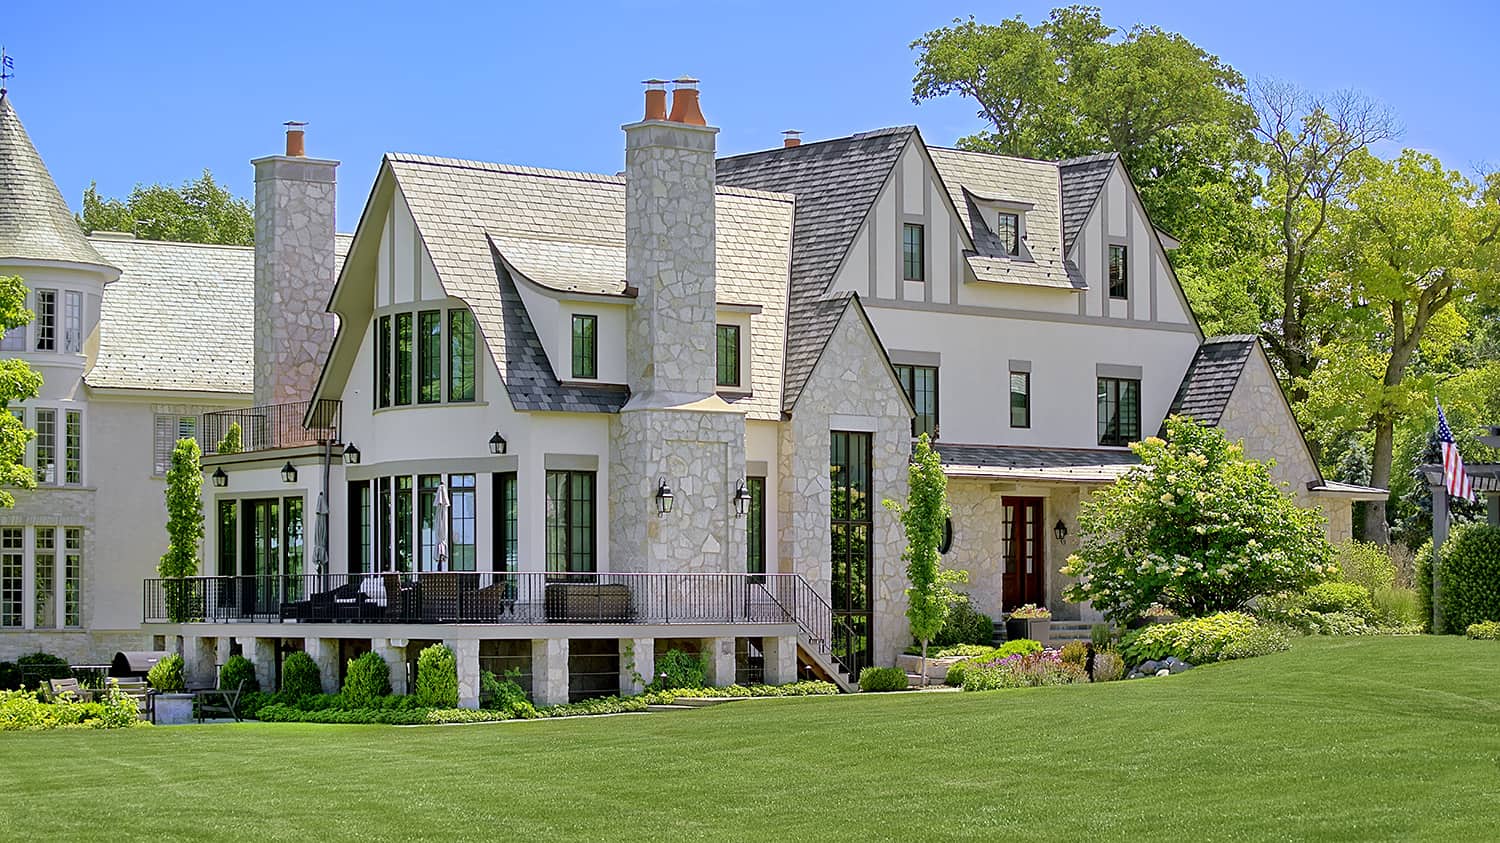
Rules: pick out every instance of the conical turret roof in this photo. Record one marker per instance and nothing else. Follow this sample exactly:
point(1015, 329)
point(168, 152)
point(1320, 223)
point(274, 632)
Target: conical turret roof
point(35, 223)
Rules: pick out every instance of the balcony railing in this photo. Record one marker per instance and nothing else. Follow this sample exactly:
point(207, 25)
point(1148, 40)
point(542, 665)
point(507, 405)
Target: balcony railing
point(274, 426)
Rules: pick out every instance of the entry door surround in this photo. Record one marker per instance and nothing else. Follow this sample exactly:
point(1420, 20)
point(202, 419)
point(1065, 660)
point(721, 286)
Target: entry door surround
point(1023, 552)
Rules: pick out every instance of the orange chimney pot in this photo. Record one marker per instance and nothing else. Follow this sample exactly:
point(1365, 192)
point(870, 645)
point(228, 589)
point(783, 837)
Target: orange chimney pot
point(656, 99)
point(685, 103)
point(295, 142)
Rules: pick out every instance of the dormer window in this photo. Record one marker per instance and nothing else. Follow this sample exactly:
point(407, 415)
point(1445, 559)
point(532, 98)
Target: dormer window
point(1008, 229)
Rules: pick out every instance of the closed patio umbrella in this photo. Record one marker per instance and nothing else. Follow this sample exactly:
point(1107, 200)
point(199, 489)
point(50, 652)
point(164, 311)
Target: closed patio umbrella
point(441, 507)
point(320, 536)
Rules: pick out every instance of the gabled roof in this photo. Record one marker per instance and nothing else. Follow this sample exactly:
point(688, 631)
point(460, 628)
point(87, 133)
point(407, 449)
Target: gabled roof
point(1210, 378)
point(1082, 179)
point(181, 316)
point(836, 182)
point(35, 223)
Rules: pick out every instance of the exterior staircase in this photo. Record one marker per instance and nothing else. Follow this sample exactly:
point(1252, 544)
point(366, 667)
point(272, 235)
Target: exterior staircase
point(817, 628)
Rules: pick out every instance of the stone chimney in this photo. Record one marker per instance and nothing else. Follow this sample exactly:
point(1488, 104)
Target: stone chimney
point(669, 249)
point(294, 258)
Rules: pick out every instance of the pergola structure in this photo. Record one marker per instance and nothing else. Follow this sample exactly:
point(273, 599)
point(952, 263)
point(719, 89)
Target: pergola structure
point(1486, 480)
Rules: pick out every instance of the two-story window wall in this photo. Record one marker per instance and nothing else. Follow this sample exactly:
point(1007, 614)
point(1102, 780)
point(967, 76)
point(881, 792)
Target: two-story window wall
point(417, 352)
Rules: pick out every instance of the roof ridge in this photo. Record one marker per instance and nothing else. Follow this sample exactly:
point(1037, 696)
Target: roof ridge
point(1088, 159)
point(873, 133)
point(141, 241)
point(1224, 339)
point(499, 167)
point(981, 152)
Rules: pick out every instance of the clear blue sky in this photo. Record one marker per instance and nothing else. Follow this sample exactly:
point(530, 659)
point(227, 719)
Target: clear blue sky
point(144, 92)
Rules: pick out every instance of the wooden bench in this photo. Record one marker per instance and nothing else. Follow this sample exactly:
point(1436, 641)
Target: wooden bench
point(219, 701)
point(58, 687)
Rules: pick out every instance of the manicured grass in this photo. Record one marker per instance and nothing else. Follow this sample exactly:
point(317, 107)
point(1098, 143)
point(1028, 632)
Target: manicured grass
point(1359, 739)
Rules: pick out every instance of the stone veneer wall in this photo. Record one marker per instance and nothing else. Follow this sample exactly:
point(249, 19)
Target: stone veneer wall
point(294, 260)
point(978, 540)
point(669, 257)
point(701, 454)
point(851, 379)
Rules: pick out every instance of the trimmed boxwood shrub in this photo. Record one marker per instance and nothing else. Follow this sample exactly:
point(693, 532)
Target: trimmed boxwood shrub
point(882, 679)
point(1334, 596)
point(166, 675)
point(235, 670)
point(299, 677)
point(367, 679)
point(1471, 577)
point(437, 677)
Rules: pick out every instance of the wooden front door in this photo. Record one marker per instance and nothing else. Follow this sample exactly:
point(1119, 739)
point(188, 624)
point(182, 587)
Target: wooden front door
point(1023, 551)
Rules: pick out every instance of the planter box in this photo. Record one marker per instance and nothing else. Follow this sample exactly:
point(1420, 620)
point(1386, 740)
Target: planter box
point(1037, 629)
point(174, 709)
point(937, 669)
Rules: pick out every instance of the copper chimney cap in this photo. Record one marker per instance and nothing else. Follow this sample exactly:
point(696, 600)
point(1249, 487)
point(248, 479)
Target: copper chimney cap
point(685, 102)
point(295, 143)
point(656, 99)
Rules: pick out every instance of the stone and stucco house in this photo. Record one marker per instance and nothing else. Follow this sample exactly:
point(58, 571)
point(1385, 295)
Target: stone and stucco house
point(566, 421)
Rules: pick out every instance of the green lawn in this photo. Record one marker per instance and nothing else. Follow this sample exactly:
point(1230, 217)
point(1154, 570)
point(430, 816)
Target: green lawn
point(1388, 738)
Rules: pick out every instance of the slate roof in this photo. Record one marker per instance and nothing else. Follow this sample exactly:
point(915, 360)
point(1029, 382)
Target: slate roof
point(566, 231)
point(35, 223)
point(1082, 179)
point(180, 317)
point(1210, 378)
point(1035, 463)
point(835, 183)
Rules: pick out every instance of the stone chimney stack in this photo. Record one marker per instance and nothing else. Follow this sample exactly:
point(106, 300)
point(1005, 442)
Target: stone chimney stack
point(294, 258)
point(669, 249)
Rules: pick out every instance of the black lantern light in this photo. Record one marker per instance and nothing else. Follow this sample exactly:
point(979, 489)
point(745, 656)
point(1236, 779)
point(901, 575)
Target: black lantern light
point(663, 498)
point(497, 443)
point(220, 478)
point(741, 499)
point(1060, 530)
point(351, 454)
point(289, 473)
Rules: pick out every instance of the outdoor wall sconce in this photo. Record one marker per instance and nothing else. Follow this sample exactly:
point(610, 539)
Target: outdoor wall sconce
point(289, 473)
point(351, 454)
point(1061, 531)
point(497, 444)
point(220, 478)
point(663, 498)
point(741, 499)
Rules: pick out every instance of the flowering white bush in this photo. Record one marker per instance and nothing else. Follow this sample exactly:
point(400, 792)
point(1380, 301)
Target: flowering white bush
point(1196, 527)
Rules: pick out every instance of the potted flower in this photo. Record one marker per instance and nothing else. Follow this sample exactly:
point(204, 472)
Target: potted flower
point(172, 704)
point(1030, 621)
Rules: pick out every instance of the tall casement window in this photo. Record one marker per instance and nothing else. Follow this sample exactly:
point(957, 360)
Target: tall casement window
point(1010, 233)
point(361, 521)
point(43, 578)
point(403, 358)
point(729, 355)
point(1020, 399)
point(383, 362)
point(293, 542)
point(913, 252)
point(383, 522)
point(755, 526)
point(427, 537)
point(429, 357)
point(585, 346)
point(72, 576)
point(403, 535)
point(570, 522)
point(851, 524)
point(462, 523)
point(921, 385)
point(167, 429)
point(1119, 411)
point(72, 321)
point(507, 527)
point(46, 320)
point(12, 575)
point(46, 446)
point(461, 348)
point(228, 538)
point(73, 448)
point(1119, 272)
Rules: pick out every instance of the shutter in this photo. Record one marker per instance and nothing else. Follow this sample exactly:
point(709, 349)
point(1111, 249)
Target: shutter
point(162, 443)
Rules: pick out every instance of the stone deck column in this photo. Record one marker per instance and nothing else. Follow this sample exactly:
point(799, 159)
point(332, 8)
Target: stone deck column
point(781, 659)
point(393, 650)
point(718, 653)
point(640, 660)
point(223, 649)
point(198, 661)
point(466, 656)
point(263, 656)
point(549, 671)
point(325, 654)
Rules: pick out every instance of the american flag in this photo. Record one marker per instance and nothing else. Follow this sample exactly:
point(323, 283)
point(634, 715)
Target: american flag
point(1454, 477)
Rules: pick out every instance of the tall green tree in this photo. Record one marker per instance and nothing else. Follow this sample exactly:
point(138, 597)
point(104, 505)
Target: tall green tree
point(198, 211)
point(18, 382)
point(923, 517)
point(184, 527)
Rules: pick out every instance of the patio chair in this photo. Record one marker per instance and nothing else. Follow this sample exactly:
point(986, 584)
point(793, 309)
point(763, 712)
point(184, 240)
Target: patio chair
point(58, 687)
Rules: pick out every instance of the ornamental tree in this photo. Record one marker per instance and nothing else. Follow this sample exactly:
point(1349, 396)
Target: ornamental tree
point(922, 517)
point(1196, 527)
point(184, 526)
point(18, 382)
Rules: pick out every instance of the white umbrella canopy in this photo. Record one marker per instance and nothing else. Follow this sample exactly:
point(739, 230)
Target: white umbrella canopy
point(441, 507)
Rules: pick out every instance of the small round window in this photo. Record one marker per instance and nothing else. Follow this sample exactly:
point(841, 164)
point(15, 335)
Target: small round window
point(947, 542)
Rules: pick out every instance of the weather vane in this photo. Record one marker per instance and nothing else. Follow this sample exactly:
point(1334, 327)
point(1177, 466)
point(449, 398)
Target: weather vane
point(7, 69)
